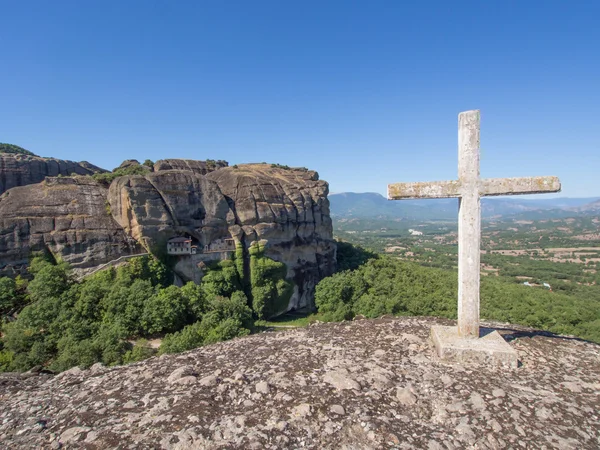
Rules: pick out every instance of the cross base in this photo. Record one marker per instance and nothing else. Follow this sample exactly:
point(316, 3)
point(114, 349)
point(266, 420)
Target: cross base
point(489, 349)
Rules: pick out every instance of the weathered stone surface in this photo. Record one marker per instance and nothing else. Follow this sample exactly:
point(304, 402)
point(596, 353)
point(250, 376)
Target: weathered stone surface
point(487, 187)
point(87, 225)
point(67, 216)
point(129, 163)
point(405, 396)
point(153, 208)
point(551, 401)
point(470, 188)
point(341, 379)
point(289, 210)
point(21, 170)
point(516, 186)
point(198, 167)
point(262, 387)
point(489, 349)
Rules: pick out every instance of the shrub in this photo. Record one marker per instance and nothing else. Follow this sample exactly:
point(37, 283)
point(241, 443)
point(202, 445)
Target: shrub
point(140, 351)
point(108, 177)
point(14, 149)
point(188, 338)
point(270, 290)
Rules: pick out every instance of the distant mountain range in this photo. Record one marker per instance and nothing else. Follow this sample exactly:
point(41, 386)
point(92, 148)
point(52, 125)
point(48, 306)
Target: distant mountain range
point(373, 205)
point(593, 207)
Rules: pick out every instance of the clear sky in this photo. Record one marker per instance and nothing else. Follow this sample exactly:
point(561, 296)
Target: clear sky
point(365, 92)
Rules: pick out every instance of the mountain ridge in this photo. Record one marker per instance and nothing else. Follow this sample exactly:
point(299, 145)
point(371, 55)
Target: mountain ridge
point(372, 204)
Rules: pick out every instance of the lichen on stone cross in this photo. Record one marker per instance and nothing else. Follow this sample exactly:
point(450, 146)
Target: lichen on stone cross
point(469, 189)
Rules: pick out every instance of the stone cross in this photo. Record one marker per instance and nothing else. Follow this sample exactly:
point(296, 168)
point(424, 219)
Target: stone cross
point(469, 189)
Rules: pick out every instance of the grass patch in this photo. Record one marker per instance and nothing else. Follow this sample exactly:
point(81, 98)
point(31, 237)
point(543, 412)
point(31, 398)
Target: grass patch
point(288, 320)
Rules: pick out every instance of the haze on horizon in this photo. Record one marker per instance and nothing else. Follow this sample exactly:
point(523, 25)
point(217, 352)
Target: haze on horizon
point(366, 94)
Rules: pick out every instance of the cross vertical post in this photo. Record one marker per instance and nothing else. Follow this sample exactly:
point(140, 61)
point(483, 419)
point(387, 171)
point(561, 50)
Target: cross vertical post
point(469, 224)
point(465, 343)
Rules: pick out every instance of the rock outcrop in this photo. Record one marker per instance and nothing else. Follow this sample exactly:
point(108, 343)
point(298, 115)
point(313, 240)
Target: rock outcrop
point(22, 170)
point(67, 216)
point(198, 167)
point(289, 210)
point(155, 207)
point(84, 223)
point(285, 209)
point(371, 384)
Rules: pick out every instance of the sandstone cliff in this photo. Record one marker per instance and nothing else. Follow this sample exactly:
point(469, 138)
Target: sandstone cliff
point(22, 169)
point(285, 209)
point(373, 384)
point(160, 205)
point(87, 224)
point(289, 209)
point(67, 216)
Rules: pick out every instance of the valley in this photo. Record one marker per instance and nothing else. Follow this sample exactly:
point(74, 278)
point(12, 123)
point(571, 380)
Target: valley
point(560, 252)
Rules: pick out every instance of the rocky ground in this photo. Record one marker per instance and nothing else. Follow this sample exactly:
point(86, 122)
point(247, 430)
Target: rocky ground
point(354, 385)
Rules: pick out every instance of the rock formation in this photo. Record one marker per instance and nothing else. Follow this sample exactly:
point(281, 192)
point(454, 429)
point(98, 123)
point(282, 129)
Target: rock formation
point(286, 209)
point(67, 216)
point(198, 167)
point(289, 209)
point(86, 224)
point(21, 169)
point(369, 384)
point(160, 205)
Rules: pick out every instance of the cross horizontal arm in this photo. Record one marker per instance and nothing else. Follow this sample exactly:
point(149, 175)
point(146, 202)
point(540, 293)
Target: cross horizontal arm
point(516, 186)
point(434, 189)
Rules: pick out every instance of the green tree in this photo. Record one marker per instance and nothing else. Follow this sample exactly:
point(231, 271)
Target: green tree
point(351, 257)
point(166, 311)
point(188, 338)
point(222, 280)
point(270, 290)
point(8, 295)
point(195, 299)
point(49, 281)
point(15, 149)
point(125, 303)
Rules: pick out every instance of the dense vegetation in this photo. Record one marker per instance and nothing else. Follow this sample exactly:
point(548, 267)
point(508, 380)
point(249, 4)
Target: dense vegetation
point(54, 321)
point(134, 169)
point(390, 286)
point(14, 149)
point(63, 323)
point(561, 254)
point(270, 290)
point(351, 257)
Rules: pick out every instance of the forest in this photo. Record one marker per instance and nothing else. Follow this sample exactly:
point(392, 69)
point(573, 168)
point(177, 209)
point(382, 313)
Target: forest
point(54, 321)
point(51, 320)
point(386, 285)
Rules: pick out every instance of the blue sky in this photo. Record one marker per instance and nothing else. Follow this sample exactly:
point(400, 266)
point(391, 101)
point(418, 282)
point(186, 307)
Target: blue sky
point(365, 92)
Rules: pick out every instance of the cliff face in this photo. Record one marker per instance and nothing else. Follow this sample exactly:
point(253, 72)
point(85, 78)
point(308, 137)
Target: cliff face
point(67, 216)
point(289, 209)
point(86, 224)
point(22, 170)
point(158, 206)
